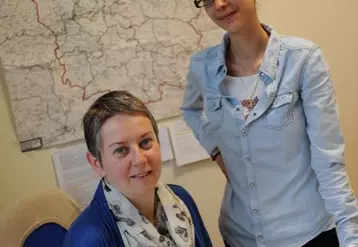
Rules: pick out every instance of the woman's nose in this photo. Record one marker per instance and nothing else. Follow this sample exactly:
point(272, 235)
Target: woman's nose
point(139, 157)
point(220, 4)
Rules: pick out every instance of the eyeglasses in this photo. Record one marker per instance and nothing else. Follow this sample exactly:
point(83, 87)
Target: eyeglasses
point(202, 3)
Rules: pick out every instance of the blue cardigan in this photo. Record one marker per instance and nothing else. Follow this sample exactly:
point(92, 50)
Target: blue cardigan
point(96, 226)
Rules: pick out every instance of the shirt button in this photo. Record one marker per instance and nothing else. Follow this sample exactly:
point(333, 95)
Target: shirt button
point(248, 159)
point(252, 185)
point(255, 211)
point(262, 74)
point(272, 95)
point(244, 134)
point(254, 114)
point(237, 109)
point(259, 237)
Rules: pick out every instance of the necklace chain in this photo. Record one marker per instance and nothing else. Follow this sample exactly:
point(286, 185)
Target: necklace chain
point(232, 60)
point(251, 102)
point(255, 86)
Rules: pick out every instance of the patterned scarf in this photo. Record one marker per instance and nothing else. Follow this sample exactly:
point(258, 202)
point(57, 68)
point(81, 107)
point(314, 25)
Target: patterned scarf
point(137, 231)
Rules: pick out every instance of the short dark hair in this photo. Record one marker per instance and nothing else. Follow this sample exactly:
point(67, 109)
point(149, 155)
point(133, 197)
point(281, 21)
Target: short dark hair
point(107, 106)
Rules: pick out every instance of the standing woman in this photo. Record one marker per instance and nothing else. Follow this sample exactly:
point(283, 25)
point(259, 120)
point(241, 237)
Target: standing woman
point(263, 105)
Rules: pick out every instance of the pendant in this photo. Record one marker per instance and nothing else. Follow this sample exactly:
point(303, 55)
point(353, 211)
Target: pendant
point(250, 103)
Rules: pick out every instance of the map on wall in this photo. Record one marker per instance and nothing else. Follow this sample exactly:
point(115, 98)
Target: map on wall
point(59, 56)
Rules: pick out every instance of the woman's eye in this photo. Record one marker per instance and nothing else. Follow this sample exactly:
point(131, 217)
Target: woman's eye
point(146, 143)
point(120, 150)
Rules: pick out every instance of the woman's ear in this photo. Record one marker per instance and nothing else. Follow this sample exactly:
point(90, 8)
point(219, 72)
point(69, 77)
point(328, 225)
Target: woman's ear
point(95, 164)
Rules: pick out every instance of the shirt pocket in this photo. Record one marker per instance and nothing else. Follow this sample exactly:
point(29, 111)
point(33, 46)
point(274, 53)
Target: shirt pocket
point(279, 114)
point(214, 113)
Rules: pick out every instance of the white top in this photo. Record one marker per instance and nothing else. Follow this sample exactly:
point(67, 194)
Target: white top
point(242, 88)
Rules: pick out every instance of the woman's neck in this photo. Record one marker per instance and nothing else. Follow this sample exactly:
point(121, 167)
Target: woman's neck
point(247, 49)
point(145, 205)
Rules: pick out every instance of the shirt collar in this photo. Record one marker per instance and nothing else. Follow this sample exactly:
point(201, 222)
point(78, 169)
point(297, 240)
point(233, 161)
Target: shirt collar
point(270, 61)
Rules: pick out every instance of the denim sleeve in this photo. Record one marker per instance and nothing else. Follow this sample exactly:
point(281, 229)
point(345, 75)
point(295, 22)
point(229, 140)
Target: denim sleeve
point(193, 111)
point(327, 146)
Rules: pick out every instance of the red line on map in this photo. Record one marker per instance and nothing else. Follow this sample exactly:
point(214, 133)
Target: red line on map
point(63, 66)
point(68, 81)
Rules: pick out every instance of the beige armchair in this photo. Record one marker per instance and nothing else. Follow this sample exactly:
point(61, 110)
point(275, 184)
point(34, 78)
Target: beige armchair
point(37, 220)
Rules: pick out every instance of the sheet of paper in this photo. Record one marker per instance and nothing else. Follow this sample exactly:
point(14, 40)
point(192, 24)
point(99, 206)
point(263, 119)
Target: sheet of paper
point(165, 145)
point(187, 148)
point(74, 175)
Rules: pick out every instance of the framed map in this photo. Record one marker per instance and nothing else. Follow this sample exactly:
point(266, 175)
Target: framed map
point(59, 56)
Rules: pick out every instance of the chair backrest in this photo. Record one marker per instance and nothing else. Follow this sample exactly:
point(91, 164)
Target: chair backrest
point(46, 235)
point(38, 220)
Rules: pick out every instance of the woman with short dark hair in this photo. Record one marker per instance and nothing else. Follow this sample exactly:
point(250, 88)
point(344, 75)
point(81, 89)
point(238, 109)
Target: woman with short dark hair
point(131, 207)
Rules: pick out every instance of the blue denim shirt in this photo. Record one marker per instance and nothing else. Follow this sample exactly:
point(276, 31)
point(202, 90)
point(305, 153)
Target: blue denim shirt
point(285, 163)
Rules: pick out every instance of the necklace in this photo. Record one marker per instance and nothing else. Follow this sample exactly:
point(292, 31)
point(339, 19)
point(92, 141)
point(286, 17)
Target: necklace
point(250, 103)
